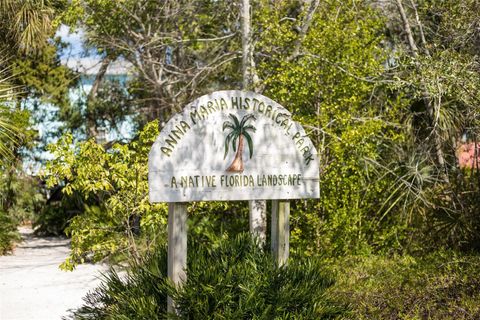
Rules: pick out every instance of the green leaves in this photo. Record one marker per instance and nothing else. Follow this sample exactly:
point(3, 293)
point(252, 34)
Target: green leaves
point(28, 23)
point(113, 186)
point(331, 87)
point(8, 233)
point(229, 137)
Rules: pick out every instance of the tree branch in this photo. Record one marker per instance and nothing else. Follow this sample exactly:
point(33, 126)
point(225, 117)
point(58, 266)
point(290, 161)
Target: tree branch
point(304, 29)
point(407, 28)
point(92, 95)
point(420, 27)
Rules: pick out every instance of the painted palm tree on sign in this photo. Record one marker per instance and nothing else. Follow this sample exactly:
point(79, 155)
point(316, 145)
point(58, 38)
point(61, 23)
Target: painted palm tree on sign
point(239, 130)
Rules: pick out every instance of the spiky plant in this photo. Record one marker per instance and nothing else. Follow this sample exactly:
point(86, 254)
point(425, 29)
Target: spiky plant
point(233, 280)
point(28, 23)
point(9, 131)
point(239, 130)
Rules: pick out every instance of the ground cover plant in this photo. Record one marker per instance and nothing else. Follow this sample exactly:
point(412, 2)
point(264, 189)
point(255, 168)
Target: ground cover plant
point(439, 285)
point(234, 279)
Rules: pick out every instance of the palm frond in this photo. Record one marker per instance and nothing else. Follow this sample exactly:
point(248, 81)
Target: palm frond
point(250, 143)
point(228, 125)
point(9, 134)
point(235, 120)
point(246, 118)
point(5, 152)
point(9, 131)
point(7, 5)
point(227, 142)
point(29, 22)
point(249, 127)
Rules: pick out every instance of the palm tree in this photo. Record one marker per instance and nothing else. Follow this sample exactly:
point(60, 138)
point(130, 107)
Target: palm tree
point(27, 23)
point(9, 131)
point(239, 130)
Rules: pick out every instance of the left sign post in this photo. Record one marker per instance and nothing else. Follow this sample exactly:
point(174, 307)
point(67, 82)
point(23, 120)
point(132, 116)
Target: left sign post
point(177, 246)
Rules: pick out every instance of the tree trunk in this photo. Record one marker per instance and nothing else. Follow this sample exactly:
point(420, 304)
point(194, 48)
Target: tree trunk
point(257, 208)
point(92, 95)
point(246, 52)
point(237, 163)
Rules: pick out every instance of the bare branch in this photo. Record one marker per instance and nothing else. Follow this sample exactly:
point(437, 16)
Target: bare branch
point(304, 29)
point(407, 28)
point(420, 27)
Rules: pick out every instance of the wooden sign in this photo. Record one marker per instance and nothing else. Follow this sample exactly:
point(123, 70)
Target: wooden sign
point(232, 145)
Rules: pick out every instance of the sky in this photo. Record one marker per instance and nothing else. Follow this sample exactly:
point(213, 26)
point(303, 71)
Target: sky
point(85, 61)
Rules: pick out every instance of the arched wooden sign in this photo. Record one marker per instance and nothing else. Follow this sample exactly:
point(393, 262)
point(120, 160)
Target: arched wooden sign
point(232, 145)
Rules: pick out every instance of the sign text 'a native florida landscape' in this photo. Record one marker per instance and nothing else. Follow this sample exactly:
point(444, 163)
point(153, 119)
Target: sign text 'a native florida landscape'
point(232, 145)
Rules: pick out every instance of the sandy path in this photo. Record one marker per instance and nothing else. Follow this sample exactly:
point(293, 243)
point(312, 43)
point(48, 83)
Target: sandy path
point(31, 285)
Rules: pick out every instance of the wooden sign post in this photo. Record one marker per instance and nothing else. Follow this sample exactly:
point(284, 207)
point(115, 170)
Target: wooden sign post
point(177, 245)
point(231, 145)
point(280, 231)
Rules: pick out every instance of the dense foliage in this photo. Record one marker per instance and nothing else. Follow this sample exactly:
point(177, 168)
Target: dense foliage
point(232, 280)
point(329, 84)
point(112, 186)
point(8, 233)
point(439, 285)
point(345, 72)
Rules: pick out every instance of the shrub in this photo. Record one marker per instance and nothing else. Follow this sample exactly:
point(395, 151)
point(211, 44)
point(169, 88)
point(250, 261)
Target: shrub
point(112, 187)
point(233, 280)
point(8, 233)
point(104, 203)
point(55, 217)
point(20, 194)
point(440, 285)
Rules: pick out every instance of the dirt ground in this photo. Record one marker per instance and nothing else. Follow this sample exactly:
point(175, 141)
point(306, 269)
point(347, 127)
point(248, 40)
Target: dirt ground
point(33, 287)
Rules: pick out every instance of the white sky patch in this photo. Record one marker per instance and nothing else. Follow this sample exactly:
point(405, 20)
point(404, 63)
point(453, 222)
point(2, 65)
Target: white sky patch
point(73, 39)
point(91, 66)
point(85, 61)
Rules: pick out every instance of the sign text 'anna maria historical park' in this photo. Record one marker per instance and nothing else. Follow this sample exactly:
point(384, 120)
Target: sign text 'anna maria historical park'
point(232, 145)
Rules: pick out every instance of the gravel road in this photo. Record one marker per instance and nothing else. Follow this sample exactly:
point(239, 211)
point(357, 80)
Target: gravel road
point(32, 287)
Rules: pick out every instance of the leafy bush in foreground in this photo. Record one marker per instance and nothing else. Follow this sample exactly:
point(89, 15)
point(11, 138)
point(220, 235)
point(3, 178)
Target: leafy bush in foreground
point(117, 220)
point(234, 280)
